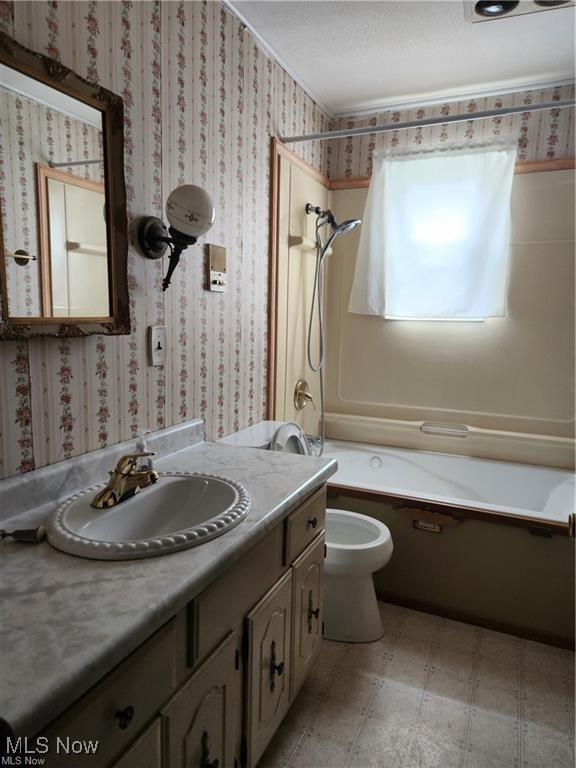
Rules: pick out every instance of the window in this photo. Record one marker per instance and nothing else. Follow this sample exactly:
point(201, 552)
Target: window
point(435, 236)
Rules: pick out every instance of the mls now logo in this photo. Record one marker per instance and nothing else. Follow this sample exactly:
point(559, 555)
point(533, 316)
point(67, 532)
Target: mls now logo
point(24, 751)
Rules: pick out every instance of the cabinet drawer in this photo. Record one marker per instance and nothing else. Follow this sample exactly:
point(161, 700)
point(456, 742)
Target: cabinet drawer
point(307, 574)
point(227, 600)
point(304, 524)
point(146, 752)
point(118, 707)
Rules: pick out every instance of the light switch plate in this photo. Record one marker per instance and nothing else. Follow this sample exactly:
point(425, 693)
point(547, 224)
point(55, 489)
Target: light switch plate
point(157, 344)
point(216, 268)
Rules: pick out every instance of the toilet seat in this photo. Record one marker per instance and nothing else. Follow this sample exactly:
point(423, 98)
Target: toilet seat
point(289, 438)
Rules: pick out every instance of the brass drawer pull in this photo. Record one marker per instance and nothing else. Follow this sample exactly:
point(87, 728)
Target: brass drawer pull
point(205, 761)
point(125, 717)
point(275, 668)
point(313, 522)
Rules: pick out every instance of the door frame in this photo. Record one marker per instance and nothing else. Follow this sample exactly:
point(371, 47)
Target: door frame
point(277, 152)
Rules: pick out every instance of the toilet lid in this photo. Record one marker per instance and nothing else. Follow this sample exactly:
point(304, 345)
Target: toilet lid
point(290, 438)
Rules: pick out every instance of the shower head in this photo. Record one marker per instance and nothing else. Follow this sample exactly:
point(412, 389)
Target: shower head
point(338, 229)
point(346, 226)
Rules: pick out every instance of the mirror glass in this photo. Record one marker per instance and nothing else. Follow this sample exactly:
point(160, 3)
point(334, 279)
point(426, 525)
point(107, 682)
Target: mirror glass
point(53, 203)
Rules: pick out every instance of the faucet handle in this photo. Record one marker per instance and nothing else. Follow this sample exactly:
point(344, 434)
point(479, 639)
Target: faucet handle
point(302, 395)
point(128, 463)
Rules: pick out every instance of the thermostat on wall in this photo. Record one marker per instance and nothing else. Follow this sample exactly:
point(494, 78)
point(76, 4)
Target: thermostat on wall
point(216, 271)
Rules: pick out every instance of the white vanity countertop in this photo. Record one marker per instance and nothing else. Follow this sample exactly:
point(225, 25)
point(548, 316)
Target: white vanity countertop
point(65, 622)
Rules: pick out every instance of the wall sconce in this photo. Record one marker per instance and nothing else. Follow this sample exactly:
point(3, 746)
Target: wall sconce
point(21, 257)
point(190, 213)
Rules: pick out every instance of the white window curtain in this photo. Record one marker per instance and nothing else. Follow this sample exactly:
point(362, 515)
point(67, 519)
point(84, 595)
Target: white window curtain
point(435, 234)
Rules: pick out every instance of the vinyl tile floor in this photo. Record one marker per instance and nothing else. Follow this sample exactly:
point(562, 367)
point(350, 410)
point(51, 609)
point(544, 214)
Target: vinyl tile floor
point(432, 693)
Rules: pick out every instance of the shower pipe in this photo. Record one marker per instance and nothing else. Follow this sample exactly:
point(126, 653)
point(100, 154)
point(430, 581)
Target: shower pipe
point(369, 129)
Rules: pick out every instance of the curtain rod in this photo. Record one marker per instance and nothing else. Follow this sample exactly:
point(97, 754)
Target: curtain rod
point(424, 123)
point(75, 162)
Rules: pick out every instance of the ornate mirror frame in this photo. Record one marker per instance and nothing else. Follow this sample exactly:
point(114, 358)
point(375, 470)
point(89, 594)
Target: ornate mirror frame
point(56, 75)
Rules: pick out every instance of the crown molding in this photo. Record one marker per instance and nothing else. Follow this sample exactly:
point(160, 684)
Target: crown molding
point(451, 95)
point(273, 54)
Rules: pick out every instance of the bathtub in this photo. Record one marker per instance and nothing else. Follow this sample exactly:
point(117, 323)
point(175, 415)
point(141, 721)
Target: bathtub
point(491, 489)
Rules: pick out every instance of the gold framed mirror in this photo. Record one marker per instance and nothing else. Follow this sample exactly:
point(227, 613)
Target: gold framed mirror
point(63, 226)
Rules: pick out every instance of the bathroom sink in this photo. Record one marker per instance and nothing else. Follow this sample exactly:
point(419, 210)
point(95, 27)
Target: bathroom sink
point(181, 510)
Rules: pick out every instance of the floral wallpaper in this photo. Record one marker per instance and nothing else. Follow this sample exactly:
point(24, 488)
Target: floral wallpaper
point(543, 135)
point(32, 133)
point(201, 102)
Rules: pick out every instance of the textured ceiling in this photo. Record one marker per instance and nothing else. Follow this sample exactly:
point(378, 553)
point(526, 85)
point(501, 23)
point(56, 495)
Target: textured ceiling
point(356, 55)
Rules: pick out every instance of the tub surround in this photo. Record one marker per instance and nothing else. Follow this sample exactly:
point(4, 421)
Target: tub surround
point(496, 444)
point(509, 380)
point(66, 621)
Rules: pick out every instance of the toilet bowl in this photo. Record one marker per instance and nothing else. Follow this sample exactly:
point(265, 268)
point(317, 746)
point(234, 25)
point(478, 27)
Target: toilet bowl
point(356, 546)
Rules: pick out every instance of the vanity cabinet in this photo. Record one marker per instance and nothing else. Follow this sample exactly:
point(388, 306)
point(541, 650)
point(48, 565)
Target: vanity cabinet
point(146, 751)
point(307, 612)
point(269, 628)
point(210, 688)
point(200, 721)
point(116, 709)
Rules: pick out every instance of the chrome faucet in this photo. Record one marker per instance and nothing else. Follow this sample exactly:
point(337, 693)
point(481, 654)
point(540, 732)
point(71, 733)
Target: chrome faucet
point(125, 481)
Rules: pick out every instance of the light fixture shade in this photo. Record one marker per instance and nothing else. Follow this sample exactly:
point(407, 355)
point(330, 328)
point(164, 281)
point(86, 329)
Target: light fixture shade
point(190, 210)
point(493, 8)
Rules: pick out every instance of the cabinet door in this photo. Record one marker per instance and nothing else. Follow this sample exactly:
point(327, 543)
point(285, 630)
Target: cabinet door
point(200, 720)
point(269, 630)
point(146, 751)
point(307, 616)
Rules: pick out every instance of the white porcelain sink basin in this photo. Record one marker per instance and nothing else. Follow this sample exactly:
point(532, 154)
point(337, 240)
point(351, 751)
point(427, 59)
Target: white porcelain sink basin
point(181, 510)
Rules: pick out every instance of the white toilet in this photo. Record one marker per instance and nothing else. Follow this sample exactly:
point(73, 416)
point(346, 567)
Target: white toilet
point(289, 438)
point(284, 436)
point(356, 546)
